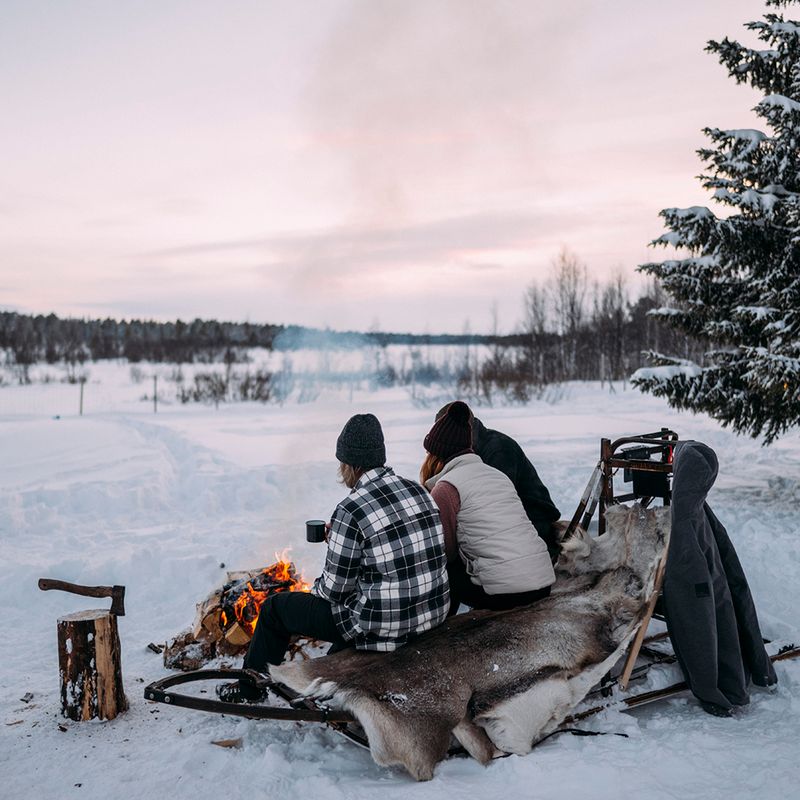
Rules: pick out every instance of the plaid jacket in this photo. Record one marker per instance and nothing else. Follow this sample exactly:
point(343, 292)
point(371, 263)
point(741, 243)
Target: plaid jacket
point(385, 573)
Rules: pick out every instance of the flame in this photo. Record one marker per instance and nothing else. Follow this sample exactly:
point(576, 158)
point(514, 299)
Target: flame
point(248, 605)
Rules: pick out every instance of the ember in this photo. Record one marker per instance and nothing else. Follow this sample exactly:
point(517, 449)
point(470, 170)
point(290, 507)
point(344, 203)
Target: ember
point(226, 620)
point(242, 599)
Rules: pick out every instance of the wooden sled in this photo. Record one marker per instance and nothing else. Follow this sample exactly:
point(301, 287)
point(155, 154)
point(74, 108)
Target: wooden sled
point(647, 463)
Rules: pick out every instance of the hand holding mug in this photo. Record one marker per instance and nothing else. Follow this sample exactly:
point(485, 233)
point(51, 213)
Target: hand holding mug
point(317, 530)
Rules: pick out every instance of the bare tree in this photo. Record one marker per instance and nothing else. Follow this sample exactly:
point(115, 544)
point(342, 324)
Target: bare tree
point(537, 315)
point(611, 306)
point(570, 283)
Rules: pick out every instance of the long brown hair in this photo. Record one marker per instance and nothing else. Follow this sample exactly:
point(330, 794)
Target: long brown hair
point(349, 475)
point(432, 465)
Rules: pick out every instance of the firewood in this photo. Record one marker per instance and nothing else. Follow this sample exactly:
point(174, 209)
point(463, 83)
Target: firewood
point(89, 658)
point(237, 635)
point(211, 627)
point(209, 606)
point(223, 620)
point(242, 575)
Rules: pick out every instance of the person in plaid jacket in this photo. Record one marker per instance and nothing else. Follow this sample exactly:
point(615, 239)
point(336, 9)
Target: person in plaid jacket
point(385, 575)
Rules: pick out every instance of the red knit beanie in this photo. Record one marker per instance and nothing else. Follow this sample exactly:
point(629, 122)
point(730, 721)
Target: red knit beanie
point(451, 434)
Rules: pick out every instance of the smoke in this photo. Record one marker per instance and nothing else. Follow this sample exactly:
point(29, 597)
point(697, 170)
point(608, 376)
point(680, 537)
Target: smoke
point(430, 106)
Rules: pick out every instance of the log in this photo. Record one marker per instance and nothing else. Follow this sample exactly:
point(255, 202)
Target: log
point(237, 635)
point(90, 666)
point(206, 615)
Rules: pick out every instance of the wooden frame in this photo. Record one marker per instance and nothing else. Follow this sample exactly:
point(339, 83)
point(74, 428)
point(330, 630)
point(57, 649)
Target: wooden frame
point(599, 493)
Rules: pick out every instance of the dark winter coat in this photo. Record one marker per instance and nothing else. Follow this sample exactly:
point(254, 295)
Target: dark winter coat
point(503, 453)
point(710, 613)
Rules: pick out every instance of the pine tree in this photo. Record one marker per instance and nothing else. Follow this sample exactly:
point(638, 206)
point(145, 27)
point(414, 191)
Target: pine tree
point(737, 288)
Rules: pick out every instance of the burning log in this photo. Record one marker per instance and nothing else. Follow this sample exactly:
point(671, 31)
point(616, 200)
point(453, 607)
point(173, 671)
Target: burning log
point(225, 621)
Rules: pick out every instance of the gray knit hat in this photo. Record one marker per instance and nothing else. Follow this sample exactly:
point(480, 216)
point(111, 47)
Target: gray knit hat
point(360, 443)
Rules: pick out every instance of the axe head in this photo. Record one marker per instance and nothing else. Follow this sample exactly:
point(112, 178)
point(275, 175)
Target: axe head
point(118, 601)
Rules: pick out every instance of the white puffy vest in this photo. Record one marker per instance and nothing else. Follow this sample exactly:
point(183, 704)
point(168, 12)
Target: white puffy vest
point(498, 543)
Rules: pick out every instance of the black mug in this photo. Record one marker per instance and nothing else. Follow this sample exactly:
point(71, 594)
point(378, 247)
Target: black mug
point(315, 530)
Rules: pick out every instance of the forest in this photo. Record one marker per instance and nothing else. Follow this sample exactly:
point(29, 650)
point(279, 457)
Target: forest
point(572, 328)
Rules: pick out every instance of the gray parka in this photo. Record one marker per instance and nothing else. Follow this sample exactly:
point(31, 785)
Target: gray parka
point(710, 612)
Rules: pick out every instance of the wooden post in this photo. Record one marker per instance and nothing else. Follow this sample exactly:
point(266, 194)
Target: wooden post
point(83, 380)
point(155, 394)
point(89, 660)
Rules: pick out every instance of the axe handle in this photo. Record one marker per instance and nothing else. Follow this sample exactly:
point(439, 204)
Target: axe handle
point(86, 591)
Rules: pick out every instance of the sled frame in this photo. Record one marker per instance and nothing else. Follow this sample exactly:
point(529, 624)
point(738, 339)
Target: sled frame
point(599, 494)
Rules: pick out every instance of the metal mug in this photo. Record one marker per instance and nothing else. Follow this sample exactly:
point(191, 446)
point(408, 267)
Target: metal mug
point(315, 530)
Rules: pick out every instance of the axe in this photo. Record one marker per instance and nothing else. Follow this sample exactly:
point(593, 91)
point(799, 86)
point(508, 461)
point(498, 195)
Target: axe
point(116, 593)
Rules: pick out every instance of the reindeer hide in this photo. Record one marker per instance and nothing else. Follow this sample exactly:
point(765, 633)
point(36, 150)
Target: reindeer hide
point(499, 681)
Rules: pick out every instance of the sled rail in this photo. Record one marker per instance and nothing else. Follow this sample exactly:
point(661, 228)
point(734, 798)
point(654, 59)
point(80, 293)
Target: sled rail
point(159, 692)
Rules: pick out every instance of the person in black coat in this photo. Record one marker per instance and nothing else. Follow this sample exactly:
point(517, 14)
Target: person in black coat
point(501, 452)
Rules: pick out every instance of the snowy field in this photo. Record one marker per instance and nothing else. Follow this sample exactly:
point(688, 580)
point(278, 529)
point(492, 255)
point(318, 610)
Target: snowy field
point(159, 502)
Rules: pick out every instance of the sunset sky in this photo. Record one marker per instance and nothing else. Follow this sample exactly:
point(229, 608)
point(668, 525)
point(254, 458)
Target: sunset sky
point(400, 163)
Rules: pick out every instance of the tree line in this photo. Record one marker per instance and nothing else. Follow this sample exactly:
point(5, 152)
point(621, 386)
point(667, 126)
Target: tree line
point(572, 328)
point(31, 339)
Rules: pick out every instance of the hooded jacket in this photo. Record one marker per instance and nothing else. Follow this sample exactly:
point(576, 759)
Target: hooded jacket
point(710, 612)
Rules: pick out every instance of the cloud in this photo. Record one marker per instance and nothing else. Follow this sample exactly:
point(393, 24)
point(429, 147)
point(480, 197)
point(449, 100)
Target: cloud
point(353, 248)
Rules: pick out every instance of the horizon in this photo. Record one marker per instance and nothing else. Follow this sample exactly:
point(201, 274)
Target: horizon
point(403, 166)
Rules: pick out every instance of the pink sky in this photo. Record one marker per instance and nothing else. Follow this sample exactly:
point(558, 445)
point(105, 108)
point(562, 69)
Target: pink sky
point(408, 163)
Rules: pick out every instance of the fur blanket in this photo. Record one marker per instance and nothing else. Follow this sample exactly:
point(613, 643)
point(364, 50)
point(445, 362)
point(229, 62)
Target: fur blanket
point(499, 681)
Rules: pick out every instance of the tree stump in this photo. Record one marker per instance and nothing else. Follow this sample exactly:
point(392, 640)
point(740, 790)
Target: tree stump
point(90, 666)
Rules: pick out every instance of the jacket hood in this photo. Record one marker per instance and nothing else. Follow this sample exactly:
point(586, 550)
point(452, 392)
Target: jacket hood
point(694, 470)
point(478, 431)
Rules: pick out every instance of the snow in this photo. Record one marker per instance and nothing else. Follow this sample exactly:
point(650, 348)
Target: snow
point(761, 201)
point(692, 212)
point(752, 136)
point(785, 26)
point(665, 373)
point(665, 311)
point(158, 502)
point(786, 104)
point(756, 312)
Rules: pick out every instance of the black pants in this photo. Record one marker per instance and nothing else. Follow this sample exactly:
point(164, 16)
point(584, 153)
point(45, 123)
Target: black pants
point(463, 590)
point(283, 615)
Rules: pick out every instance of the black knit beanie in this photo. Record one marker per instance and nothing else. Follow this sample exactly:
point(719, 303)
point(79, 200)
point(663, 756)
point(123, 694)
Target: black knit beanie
point(360, 444)
point(451, 434)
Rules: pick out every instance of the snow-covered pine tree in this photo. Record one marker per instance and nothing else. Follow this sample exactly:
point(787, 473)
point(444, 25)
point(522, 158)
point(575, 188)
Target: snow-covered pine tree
point(738, 286)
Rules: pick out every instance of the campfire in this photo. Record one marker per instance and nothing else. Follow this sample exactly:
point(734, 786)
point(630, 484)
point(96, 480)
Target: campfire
point(226, 619)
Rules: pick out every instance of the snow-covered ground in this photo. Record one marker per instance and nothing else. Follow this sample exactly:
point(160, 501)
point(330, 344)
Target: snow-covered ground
point(159, 502)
